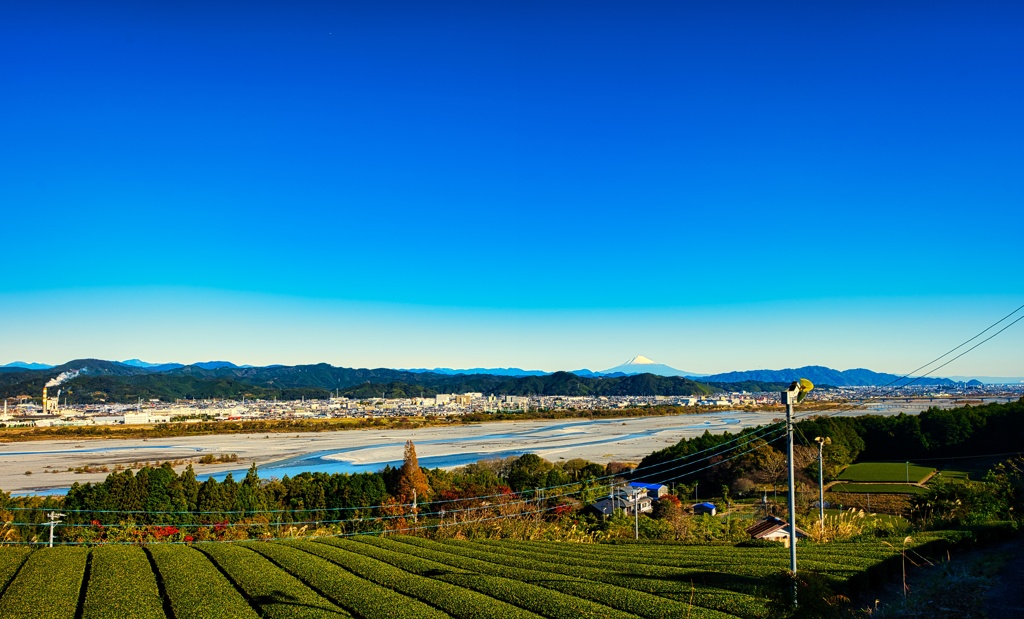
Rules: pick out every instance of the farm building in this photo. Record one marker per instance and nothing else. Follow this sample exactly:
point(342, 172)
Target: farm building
point(705, 508)
point(627, 499)
point(774, 529)
point(655, 491)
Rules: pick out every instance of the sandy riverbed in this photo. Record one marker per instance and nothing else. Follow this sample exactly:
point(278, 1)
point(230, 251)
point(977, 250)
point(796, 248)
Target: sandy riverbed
point(599, 441)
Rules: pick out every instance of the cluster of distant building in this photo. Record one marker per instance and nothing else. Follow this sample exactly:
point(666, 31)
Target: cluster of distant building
point(25, 412)
point(28, 413)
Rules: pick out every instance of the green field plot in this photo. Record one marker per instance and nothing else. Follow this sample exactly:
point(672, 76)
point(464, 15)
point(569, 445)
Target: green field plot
point(877, 472)
point(122, 585)
point(61, 569)
point(196, 589)
point(959, 473)
point(879, 488)
point(408, 577)
point(276, 593)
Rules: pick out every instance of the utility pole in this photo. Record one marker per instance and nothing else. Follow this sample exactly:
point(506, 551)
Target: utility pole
point(54, 521)
point(414, 504)
point(636, 513)
point(796, 393)
point(792, 485)
point(822, 441)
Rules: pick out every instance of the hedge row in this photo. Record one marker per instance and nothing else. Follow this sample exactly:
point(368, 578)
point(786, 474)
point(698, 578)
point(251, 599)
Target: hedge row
point(750, 561)
point(626, 594)
point(274, 592)
point(676, 554)
point(47, 586)
point(454, 600)
point(122, 585)
point(360, 597)
point(837, 561)
point(504, 585)
point(195, 587)
point(11, 558)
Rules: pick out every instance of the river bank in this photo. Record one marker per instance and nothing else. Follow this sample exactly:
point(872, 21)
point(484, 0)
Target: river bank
point(49, 466)
point(354, 451)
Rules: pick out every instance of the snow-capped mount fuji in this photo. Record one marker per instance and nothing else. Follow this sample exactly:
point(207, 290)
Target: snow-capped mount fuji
point(642, 365)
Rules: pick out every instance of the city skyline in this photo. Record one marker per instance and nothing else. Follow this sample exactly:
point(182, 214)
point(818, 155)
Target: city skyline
point(553, 187)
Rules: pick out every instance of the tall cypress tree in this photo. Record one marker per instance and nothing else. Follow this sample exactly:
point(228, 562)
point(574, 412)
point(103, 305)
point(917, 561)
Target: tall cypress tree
point(250, 494)
point(190, 487)
point(412, 477)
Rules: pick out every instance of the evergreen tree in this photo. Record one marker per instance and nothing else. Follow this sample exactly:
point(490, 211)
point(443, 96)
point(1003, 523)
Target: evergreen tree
point(160, 492)
point(250, 493)
point(229, 488)
point(189, 487)
point(210, 498)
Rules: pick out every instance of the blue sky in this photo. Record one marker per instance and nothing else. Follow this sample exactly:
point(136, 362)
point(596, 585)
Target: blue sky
point(545, 185)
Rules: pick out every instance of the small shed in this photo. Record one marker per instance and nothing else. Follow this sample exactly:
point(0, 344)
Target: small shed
point(774, 529)
point(704, 508)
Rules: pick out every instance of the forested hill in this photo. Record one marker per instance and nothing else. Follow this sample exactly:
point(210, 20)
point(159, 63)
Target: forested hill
point(99, 380)
point(982, 432)
point(821, 375)
point(559, 383)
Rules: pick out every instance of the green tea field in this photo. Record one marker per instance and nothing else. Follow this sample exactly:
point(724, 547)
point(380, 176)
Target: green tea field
point(881, 472)
point(409, 577)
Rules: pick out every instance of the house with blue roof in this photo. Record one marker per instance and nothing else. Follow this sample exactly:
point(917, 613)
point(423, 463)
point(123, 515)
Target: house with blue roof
point(654, 491)
point(705, 508)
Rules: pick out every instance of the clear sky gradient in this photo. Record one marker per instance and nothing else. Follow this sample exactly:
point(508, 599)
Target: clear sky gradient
point(544, 185)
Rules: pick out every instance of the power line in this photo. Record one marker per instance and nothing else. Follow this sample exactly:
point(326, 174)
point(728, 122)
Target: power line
point(751, 438)
point(765, 429)
point(413, 529)
point(986, 329)
point(646, 470)
point(926, 374)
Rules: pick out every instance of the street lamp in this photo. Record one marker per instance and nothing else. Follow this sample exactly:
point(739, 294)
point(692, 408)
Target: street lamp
point(790, 397)
point(821, 441)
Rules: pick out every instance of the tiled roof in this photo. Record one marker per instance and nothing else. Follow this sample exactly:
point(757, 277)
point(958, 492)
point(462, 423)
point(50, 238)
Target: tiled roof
point(770, 524)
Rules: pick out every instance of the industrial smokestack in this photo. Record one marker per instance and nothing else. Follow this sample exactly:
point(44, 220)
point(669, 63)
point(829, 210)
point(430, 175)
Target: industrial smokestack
point(44, 400)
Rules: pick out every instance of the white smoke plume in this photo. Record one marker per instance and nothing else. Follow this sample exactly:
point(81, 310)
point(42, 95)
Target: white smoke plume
point(63, 377)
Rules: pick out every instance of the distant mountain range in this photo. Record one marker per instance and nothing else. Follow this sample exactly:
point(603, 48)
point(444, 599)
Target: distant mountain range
point(490, 371)
point(991, 380)
point(821, 375)
point(138, 363)
point(504, 372)
point(27, 366)
point(642, 365)
point(637, 365)
point(95, 380)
